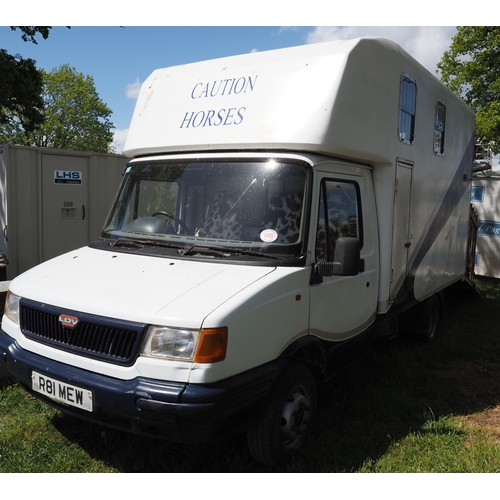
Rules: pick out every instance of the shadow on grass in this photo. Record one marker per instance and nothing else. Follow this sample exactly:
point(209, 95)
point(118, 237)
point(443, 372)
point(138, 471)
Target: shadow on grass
point(399, 388)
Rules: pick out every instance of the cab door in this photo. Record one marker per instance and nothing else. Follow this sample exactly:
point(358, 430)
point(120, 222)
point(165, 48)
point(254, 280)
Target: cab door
point(342, 306)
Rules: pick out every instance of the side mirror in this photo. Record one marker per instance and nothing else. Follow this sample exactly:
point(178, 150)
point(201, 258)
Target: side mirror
point(347, 261)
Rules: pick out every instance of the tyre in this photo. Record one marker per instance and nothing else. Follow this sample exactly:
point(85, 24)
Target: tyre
point(432, 313)
point(283, 427)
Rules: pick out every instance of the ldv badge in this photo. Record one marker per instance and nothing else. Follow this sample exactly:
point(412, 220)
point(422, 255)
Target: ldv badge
point(68, 321)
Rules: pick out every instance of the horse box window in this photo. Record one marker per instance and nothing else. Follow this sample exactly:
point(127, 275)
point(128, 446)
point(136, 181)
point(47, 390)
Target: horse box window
point(439, 128)
point(407, 109)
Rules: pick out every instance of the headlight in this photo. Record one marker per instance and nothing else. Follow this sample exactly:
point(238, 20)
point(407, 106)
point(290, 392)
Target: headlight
point(206, 346)
point(163, 342)
point(11, 309)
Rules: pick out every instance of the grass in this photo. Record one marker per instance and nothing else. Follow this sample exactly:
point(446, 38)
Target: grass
point(406, 407)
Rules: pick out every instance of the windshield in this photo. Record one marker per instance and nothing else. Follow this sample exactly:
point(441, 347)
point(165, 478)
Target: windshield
point(256, 205)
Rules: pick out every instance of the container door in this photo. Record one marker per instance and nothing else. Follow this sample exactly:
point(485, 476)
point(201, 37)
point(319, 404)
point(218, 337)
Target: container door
point(3, 198)
point(401, 233)
point(65, 201)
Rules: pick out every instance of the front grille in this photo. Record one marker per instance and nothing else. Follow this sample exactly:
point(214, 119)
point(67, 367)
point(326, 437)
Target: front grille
point(93, 336)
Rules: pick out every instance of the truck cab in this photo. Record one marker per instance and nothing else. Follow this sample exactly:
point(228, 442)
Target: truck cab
point(212, 274)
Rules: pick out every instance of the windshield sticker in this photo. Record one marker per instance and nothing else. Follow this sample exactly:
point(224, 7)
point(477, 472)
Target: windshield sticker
point(269, 235)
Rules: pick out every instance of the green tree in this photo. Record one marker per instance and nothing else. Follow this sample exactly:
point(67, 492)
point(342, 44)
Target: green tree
point(21, 84)
point(20, 92)
point(471, 69)
point(75, 117)
point(29, 32)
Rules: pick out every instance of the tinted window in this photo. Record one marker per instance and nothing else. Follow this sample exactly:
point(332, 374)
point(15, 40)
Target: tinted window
point(439, 128)
point(339, 216)
point(407, 109)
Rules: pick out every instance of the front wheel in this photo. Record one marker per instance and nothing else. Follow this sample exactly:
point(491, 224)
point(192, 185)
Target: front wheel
point(284, 426)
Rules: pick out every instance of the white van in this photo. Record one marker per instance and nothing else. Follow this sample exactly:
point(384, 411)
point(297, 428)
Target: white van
point(279, 210)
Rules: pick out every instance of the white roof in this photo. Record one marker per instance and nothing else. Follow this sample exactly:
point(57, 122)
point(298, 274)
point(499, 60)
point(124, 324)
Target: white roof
point(338, 97)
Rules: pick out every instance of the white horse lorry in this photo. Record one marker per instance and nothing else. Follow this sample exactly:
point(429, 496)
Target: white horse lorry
point(280, 210)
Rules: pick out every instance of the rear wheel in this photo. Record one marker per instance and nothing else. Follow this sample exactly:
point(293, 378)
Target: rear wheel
point(284, 426)
point(431, 318)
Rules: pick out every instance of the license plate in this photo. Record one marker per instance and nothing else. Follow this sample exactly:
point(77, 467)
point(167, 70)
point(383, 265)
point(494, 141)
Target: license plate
point(62, 392)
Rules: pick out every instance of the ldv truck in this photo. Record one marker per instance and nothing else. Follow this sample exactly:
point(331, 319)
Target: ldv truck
point(280, 210)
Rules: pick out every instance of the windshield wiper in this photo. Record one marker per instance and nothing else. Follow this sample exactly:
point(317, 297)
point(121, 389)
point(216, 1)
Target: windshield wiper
point(126, 243)
point(243, 251)
point(193, 249)
point(123, 242)
point(225, 251)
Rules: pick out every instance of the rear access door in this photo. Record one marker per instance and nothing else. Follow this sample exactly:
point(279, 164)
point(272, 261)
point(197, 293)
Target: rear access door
point(401, 233)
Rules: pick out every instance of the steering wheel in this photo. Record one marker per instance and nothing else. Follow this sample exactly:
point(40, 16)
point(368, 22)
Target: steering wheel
point(174, 218)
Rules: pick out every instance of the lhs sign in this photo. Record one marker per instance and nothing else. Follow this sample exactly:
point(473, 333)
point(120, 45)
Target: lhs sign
point(67, 177)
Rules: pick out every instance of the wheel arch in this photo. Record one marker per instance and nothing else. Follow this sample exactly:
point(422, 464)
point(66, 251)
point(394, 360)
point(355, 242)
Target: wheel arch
point(416, 319)
point(310, 351)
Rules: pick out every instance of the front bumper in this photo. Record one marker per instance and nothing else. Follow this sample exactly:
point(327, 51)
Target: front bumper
point(174, 411)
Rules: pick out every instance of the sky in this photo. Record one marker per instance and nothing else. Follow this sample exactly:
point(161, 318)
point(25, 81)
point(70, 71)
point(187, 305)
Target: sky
point(121, 53)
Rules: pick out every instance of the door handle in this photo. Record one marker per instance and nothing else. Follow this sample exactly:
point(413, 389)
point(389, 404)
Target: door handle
point(83, 212)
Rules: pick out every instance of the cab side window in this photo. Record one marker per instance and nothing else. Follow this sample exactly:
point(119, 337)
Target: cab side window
point(339, 216)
